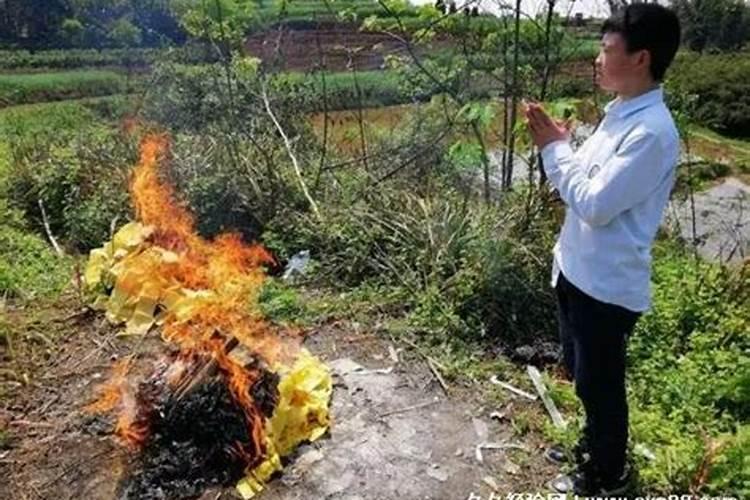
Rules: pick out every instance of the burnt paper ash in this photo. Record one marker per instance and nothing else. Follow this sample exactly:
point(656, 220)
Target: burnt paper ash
point(193, 442)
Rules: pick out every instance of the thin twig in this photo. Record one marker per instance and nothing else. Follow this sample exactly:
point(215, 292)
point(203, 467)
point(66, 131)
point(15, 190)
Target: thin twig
point(292, 156)
point(514, 390)
point(47, 229)
point(437, 374)
point(407, 408)
point(422, 353)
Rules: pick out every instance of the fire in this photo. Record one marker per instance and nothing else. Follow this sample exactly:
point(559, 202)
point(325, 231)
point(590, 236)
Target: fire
point(118, 394)
point(111, 392)
point(225, 275)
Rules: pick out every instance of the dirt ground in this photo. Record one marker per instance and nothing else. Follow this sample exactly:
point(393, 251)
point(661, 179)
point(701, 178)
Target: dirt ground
point(396, 432)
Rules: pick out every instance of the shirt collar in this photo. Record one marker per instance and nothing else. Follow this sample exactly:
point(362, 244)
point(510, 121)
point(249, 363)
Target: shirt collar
point(622, 108)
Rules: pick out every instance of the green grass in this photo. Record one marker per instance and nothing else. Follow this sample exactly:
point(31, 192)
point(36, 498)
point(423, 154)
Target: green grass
point(76, 58)
point(66, 59)
point(581, 48)
point(23, 128)
point(34, 119)
point(739, 146)
point(40, 87)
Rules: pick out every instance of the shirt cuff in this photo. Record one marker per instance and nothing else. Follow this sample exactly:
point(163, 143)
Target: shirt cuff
point(553, 152)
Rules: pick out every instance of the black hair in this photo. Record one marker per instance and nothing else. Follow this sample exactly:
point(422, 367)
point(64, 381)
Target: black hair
point(648, 26)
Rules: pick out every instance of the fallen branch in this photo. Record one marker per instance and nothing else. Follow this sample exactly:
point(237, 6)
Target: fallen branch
point(554, 413)
point(432, 363)
point(47, 229)
point(422, 353)
point(512, 389)
point(29, 423)
point(408, 408)
point(374, 371)
point(437, 375)
point(495, 446)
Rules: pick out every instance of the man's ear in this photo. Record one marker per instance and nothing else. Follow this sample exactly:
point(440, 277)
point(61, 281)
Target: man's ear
point(644, 59)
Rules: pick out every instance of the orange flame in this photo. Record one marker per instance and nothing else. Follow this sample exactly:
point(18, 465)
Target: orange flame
point(111, 392)
point(229, 268)
point(117, 393)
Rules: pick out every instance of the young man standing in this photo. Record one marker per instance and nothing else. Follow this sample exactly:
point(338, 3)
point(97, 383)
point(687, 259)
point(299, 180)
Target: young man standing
point(615, 187)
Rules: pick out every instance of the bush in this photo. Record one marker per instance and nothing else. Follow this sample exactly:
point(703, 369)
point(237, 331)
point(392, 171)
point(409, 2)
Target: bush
point(63, 155)
point(27, 127)
point(702, 172)
point(453, 265)
point(572, 86)
point(29, 267)
point(720, 85)
point(419, 229)
point(512, 300)
point(83, 187)
point(698, 331)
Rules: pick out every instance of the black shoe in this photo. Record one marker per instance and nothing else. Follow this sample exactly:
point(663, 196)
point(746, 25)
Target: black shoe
point(584, 481)
point(558, 455)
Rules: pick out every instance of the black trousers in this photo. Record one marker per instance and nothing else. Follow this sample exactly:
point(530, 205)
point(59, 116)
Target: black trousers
point(593, 336)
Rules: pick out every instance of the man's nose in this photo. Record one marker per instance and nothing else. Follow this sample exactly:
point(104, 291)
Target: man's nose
point(598, 61)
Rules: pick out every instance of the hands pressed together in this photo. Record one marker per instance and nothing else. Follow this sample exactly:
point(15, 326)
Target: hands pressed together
point(542, 127)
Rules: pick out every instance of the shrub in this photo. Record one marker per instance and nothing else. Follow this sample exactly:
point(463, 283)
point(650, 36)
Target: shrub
point(698, 331)
point(26, 127)
point(572, 86)
point(82, 184)
point(376, 88)
point(713, 24)
point(720, 85)
point(703, 172)
point(28, 267)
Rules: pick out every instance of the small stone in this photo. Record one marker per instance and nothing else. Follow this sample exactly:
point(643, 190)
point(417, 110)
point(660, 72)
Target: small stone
point(438, 474)
point(480, 429)
point(511, 468)
point(490, 481)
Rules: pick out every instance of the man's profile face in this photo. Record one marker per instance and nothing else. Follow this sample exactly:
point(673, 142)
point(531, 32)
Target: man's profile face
point(616, 69)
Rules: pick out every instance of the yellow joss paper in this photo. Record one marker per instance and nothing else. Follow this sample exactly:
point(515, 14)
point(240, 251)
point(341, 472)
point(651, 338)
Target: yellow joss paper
point(300, 415)
point(101, 260)
point(302, 412)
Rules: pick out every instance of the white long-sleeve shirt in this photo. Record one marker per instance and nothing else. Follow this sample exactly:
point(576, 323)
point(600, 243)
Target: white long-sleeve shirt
point(616, 187)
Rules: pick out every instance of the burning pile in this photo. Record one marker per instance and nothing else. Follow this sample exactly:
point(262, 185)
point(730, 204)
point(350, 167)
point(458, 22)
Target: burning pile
point(234, 395)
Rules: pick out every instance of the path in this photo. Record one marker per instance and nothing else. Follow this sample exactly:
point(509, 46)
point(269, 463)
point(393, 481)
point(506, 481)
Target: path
point(722, 225)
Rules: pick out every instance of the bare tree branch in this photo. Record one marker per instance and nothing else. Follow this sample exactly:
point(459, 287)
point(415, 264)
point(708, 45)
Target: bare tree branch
point(292, 156)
